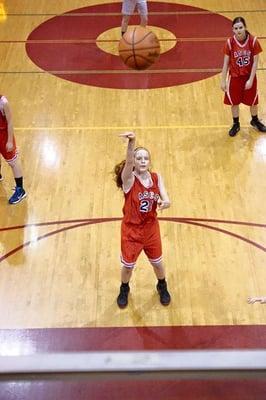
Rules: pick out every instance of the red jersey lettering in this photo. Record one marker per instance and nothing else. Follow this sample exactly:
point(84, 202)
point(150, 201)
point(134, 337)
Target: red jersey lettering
point(241, 55)
point(141, 202)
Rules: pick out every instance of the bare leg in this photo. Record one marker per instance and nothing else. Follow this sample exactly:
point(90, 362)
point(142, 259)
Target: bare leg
point(143, 20)
point(124, 25)
point(16, 168)
point(254, 110)
point(159, 270)
point(126, 274)
point(235, 111)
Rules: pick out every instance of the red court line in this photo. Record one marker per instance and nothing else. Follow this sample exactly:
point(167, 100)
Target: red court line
point(70, 221)
point(46, 235)
point(225, 231)
point(102, 220)
point(223, 221)
point(31, 341)
point(133, 386)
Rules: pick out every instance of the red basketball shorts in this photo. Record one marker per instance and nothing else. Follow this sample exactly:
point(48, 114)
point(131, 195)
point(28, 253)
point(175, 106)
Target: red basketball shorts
point(135, 238)
point(8, 155)
point(237, 94)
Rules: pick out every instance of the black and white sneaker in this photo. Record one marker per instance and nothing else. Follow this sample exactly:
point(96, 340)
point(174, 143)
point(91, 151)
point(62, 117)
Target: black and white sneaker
point(165, 297)
point(258, 125)
point(122, 298)
point(235, 128)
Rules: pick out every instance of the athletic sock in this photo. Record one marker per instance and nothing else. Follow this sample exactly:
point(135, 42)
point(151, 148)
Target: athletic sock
point(19, 182)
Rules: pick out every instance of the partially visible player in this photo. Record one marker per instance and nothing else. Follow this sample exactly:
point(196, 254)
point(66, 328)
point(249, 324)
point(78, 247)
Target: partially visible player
point(252, 300)
point(1, 178)
point(128, 7)
point(143, 192)
point(241, 56)
point(9, 151)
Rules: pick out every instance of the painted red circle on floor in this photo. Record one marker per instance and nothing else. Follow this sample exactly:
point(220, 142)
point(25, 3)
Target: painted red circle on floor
point(60, 46)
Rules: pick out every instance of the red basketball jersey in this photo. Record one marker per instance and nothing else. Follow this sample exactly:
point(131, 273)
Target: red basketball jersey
point(140, 202)
point(3, 120)
point(241, 54)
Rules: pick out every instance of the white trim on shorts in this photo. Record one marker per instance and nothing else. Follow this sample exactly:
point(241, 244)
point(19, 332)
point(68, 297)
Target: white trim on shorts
point(155, 260)
point(12, 159)
point(127, 264)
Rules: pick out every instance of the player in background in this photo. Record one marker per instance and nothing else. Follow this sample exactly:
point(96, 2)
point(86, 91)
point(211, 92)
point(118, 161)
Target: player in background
point(261, 299)
point(9, 151)
point(128, 7)
point(143, 192)
point(239, 81)
point(1, 178)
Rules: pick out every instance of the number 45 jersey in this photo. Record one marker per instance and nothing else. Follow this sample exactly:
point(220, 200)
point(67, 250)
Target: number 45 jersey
point(141, 202)
point(241, 54)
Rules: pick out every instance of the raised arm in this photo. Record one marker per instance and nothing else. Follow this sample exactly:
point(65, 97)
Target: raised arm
point(127, 174)
point(164, 201)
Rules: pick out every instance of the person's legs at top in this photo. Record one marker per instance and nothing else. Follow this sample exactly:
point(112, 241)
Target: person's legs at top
point(128, 7)
point(143, 12)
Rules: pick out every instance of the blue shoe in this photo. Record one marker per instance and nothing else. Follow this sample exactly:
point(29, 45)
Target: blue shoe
point(17, 196)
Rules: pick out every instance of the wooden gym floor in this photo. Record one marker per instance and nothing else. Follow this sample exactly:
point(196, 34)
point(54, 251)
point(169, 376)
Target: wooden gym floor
point(59, 249)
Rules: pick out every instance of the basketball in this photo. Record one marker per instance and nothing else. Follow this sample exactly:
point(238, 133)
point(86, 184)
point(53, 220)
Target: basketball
point(139, 48)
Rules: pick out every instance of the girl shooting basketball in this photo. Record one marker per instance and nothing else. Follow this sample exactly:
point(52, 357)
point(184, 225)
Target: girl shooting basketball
point(143, 191)
point(241, 60)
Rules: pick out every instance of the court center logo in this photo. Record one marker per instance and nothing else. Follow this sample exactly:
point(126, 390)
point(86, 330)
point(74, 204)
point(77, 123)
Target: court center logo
point(81, 46)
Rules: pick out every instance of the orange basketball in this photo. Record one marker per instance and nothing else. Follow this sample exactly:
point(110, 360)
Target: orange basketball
point(139, 48)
